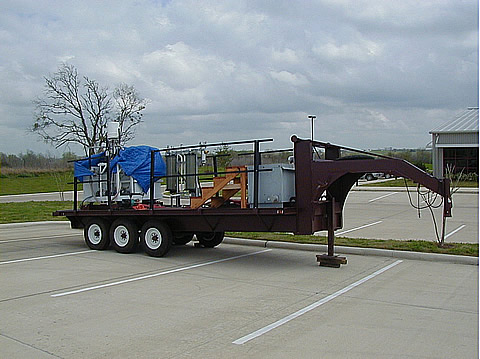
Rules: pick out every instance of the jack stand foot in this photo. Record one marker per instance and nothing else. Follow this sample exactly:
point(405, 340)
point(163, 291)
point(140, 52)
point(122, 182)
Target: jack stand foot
point(324, 260)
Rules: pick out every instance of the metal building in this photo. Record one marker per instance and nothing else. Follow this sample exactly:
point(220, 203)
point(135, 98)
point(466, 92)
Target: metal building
point(455, 144)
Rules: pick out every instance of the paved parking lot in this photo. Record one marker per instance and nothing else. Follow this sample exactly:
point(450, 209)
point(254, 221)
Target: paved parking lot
point(389, 215)
point(60, 299)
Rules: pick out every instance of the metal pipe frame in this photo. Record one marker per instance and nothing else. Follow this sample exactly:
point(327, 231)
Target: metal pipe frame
point(214, 144)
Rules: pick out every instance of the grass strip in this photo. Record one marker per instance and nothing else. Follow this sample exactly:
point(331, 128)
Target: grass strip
point(400, 182)
point(36, 182)
point(463, 249)
point(15, 212)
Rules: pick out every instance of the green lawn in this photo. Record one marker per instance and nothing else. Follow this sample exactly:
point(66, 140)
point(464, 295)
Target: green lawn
point(32, 211)
point(36, 182)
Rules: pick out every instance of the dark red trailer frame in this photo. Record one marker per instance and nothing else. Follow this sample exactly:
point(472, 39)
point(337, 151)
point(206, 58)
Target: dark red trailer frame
point(321, 189)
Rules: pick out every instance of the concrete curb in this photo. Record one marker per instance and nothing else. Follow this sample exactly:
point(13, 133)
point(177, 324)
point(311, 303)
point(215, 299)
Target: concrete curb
point(356, 250)
point(30, 224)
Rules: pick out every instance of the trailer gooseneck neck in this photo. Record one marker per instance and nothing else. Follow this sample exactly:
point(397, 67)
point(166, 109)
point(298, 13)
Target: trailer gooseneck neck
point(322, 185)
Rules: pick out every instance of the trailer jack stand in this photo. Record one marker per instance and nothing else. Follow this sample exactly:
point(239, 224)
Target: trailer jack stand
point(324, 260)
point(331, 260)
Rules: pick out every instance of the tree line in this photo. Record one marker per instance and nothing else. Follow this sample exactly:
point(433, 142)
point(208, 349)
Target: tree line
point(36, 161)
point(32, 160)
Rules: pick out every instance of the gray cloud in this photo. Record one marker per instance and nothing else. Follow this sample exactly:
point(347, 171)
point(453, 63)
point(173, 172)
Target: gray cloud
point(375, 73)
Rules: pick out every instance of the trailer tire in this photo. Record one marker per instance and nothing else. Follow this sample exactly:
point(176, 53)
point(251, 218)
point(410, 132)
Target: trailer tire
point(96, 234)
point(156, 238)
point(182, 238)
point(124, 235)
point(210, 239)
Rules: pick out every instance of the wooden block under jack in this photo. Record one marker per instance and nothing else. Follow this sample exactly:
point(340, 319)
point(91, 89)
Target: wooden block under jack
point(325, 260)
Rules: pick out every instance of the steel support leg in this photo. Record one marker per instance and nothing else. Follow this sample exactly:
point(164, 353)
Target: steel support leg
point(331, 228)
point(330, 259)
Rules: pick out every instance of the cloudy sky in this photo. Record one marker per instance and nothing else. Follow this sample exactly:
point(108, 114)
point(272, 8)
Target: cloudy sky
point(375, 73)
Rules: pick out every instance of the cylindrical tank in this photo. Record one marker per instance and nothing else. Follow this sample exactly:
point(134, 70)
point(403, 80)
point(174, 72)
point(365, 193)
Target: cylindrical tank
point(190, 168)
point(172, 170)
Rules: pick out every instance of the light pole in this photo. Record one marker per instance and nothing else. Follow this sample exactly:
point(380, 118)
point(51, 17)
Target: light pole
point(312, 117)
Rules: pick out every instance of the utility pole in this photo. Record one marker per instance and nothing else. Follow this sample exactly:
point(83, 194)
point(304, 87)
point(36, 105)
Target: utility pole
point(312, 117)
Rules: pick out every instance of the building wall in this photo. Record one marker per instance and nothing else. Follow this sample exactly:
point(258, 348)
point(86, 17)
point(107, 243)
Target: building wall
point(457, 150)
point(465, 139)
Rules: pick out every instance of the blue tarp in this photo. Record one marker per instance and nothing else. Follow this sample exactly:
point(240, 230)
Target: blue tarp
point(81, 168)
point(135, 161)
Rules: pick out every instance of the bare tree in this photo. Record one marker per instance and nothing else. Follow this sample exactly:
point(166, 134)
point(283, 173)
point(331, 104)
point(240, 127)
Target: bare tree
point(129, 109)
point(77, 110)
point(429, 201)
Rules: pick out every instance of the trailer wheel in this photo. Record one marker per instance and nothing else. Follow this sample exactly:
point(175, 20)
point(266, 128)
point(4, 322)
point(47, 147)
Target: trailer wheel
point(182, 238)
point(96, 233)
point(156, 238)
point(210, 239)
point(124, 234)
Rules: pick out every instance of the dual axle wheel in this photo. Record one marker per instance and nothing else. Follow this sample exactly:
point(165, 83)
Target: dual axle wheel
point(155, 236)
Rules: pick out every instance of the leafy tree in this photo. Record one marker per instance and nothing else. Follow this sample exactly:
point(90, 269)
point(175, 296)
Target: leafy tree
point(225, 155)
point(76, 109)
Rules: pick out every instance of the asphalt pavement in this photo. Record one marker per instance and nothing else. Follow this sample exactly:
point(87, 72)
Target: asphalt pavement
point(61, 300)
point(390, 215)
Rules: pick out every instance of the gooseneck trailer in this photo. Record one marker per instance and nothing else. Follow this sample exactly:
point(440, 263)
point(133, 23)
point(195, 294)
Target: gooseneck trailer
point(125, 202)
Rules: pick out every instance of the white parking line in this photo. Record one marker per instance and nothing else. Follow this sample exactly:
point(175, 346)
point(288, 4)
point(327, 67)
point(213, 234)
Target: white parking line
point(384, 196)
point(454, 231)
point(44, 257)
point(290, 317)
point(357, 228)
point(157, 274)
